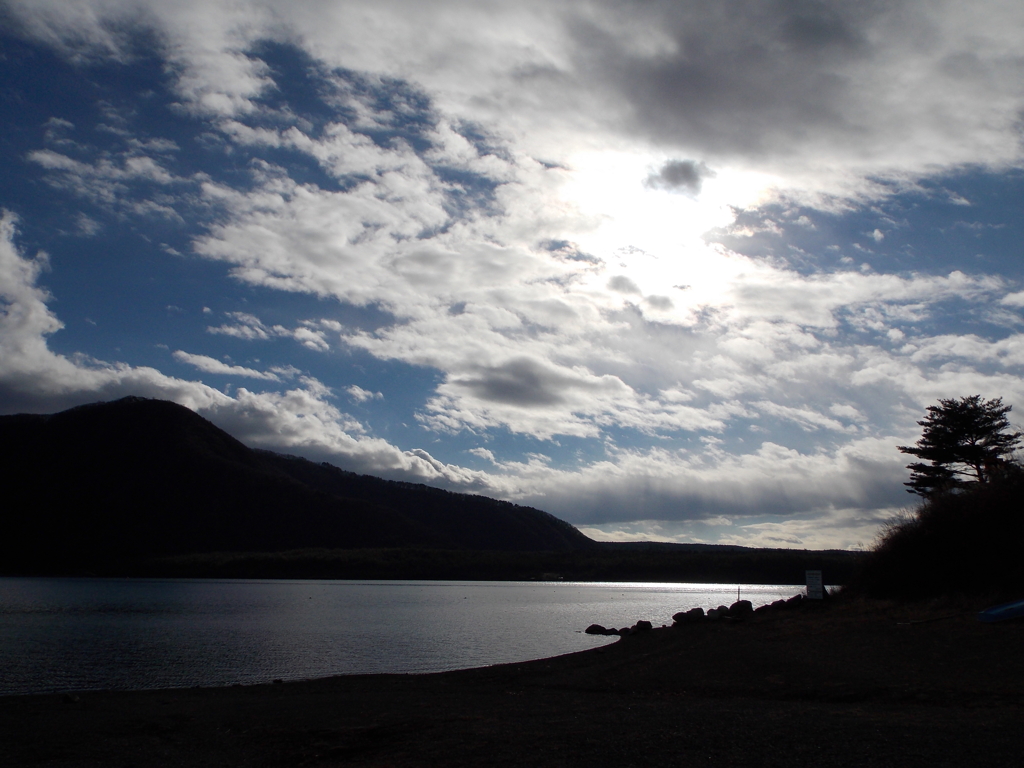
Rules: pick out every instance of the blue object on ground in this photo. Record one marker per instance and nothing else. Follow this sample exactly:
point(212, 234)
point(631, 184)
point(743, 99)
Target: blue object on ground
point(1003, 612)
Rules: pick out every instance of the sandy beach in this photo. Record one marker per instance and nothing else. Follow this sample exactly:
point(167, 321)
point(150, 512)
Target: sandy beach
point(852, 683)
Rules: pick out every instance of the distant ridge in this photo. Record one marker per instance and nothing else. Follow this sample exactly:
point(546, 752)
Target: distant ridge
point(133, 479)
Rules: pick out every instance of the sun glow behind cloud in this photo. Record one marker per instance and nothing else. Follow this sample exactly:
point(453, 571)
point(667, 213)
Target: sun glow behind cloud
point(653, 235)
point(610, 186)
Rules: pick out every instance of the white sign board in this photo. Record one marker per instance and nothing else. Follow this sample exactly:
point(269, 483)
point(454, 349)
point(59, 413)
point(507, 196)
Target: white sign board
point(815, 587)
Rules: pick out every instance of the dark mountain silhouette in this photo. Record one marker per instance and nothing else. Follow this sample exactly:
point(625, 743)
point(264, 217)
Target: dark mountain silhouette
point(135, 479)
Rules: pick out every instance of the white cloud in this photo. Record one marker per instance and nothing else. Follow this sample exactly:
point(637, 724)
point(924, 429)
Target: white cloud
point(845, 411)
point(311, 338)
point(826, 96)
point(1013, 299)
point(824, 529)
point(361, 395)
point(309, 333)
point(829, 529)
point(246, 326)
point(866, 473)
point(483, 453)
point(1007, 352)
point(107, 182)
point(806, 418)
point(87, 226)
point(212, 365)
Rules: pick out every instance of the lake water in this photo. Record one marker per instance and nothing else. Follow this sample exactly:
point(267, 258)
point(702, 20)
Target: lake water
point(88, 634)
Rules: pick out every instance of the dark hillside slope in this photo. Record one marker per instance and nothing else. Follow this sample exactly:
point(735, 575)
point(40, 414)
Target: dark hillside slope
point(125, 481)
point(451, 516)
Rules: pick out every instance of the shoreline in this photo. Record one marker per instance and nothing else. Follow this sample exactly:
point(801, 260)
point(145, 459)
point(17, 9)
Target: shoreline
point(851, 683)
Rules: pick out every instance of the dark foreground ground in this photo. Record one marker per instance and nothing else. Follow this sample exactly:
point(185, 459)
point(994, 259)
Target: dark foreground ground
point(849, 684)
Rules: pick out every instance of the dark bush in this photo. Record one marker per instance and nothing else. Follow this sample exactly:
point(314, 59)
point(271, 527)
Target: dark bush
point(967, 542)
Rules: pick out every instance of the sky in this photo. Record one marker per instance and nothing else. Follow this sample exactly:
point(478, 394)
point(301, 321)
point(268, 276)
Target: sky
point(673, 271)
